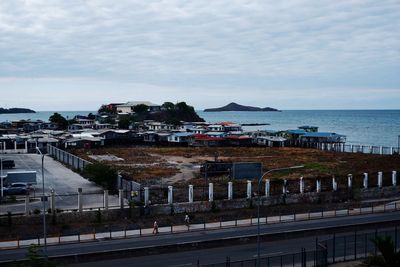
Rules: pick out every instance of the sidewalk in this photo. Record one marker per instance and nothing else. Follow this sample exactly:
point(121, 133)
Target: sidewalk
point(131, 233)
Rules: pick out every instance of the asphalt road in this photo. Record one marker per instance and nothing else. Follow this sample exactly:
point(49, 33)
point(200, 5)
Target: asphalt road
point(189, 238)
point(62, 180)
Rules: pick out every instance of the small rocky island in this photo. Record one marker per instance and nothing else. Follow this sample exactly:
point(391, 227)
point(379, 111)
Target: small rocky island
point(16, 110)
point(236, 107)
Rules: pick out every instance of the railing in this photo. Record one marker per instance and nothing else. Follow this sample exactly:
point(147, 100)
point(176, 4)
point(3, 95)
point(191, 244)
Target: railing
point(339, 248)
point(348, 148)
point(198, 226)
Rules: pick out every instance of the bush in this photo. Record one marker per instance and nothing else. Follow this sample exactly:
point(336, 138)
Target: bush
point(102, 175)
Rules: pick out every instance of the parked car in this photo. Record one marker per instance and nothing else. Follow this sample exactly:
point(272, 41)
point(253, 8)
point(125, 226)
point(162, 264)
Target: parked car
point(16, 189)
point(8, 163)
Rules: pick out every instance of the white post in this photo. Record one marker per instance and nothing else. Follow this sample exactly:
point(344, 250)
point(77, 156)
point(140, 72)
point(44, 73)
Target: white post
point(80, 203)
point(334, 184)
point(210, 192)
point(52, 201)
point(170, 195)
point(105, 200)
point(190, 193)
point(26, 146)
point(380, 178)
point(365, 182)
point(349, 181)
point(15, 145)
point(27, 205)
point(381, 150)
point(230, 191)
point(352, 147)
point(284, 186)
point(301, 185)
point(391, 150)
point(394, 178)
point(267, 187)
point(121, 198)
point(146, 196)
point(248, 189)
point(318, 186)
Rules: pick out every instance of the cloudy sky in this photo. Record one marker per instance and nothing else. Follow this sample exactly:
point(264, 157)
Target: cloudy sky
point(292, 54)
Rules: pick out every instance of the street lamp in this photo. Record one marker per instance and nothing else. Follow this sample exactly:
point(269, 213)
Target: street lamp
point(44, 205)
point(1, 178)
point(259, 203)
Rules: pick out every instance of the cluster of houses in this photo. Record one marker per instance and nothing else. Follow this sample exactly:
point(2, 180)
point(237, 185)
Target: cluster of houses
point(90, 133)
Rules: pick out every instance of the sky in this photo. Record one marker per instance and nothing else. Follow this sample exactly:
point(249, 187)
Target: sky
point(292, 54)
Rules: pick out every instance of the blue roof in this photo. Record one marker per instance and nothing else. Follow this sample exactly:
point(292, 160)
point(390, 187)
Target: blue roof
point(322, 134)
point(183, 134)
point(296, 131)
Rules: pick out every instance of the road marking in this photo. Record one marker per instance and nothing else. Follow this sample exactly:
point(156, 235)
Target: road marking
point(181, 265)
point(269, 254)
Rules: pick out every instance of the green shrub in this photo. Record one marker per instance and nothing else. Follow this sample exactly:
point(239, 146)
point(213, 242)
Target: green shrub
point(101, 174)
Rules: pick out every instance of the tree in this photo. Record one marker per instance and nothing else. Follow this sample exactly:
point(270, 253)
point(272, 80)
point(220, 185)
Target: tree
point(389, 256)
point(125, 122)
point(101, 174)
point(168, 106)
point(91, 116)
point(34, 259)
point(141, 108)
point(58, 119)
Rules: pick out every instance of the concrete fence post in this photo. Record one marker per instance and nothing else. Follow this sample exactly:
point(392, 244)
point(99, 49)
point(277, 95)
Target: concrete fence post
point(53, 201)
point(26, 146)
point(318, 186)
point(267, 188)
point(349, 181)
point(334, 184)
point(248, 189)
point(210, 192)
point(365, 181)
point(284, 186)
point(146, 196)
point(391, 150)
point(190, 193)
point(170, 195)
point(381, 150)
point(15, 146)
point(394, 178)
point(80, 203)
point(380, 179)
point(27, 205)
point(230, 191)
point(301, 185)
point(105, 196)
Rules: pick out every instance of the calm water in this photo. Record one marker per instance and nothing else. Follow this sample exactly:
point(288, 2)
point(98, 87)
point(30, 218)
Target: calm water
point(368, 127)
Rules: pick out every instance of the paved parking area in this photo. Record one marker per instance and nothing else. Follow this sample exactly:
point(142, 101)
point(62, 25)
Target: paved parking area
point(57, 177)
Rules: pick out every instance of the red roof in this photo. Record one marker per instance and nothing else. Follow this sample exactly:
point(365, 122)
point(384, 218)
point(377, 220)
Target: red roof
point(226, 123)
point(204, 137)
point(238, 137)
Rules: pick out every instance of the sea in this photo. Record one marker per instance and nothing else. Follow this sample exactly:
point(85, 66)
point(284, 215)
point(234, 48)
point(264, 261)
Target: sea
point(361, 127)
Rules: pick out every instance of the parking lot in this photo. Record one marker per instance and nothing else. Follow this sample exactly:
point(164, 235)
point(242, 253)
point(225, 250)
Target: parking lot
point(57, 177)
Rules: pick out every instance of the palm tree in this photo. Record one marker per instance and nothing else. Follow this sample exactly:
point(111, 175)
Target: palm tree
point(389, 256)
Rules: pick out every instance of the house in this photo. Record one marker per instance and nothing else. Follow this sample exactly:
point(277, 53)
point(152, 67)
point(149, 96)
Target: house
point(239, 140)
point(270, 141)
point(322, 137)
point(182, 137)
point(215, 128)
point(206, 140)
point(309, 129)
point(231, 127)
point(128, 107)
point(75, 127)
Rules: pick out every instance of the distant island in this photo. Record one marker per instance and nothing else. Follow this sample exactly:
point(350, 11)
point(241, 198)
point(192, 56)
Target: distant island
point(236, 107)
point(15, 110)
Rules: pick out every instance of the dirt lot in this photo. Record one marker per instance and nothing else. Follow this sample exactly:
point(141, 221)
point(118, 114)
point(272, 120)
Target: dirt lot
point(180, 166)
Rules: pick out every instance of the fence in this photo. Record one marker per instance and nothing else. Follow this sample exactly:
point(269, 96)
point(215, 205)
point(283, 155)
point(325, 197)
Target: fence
point(67, 158)
point(200, 224)
point(339, 147)
point(340, 248)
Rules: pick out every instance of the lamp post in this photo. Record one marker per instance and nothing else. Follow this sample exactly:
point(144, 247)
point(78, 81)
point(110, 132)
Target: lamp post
point(259, 203)
point(44, 205)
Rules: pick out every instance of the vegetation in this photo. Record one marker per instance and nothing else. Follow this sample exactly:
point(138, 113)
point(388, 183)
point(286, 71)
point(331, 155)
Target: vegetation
point(389, 256)
point(101, 174)
point(15, 110)
point(58, 119)
point(34, 259)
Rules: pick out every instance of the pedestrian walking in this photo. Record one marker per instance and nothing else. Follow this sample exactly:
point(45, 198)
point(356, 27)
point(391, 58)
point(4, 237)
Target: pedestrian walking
point(187, 219)
point(155, 227)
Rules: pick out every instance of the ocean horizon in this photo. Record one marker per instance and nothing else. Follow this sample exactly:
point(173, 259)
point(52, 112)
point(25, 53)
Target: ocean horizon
point(378, 127)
